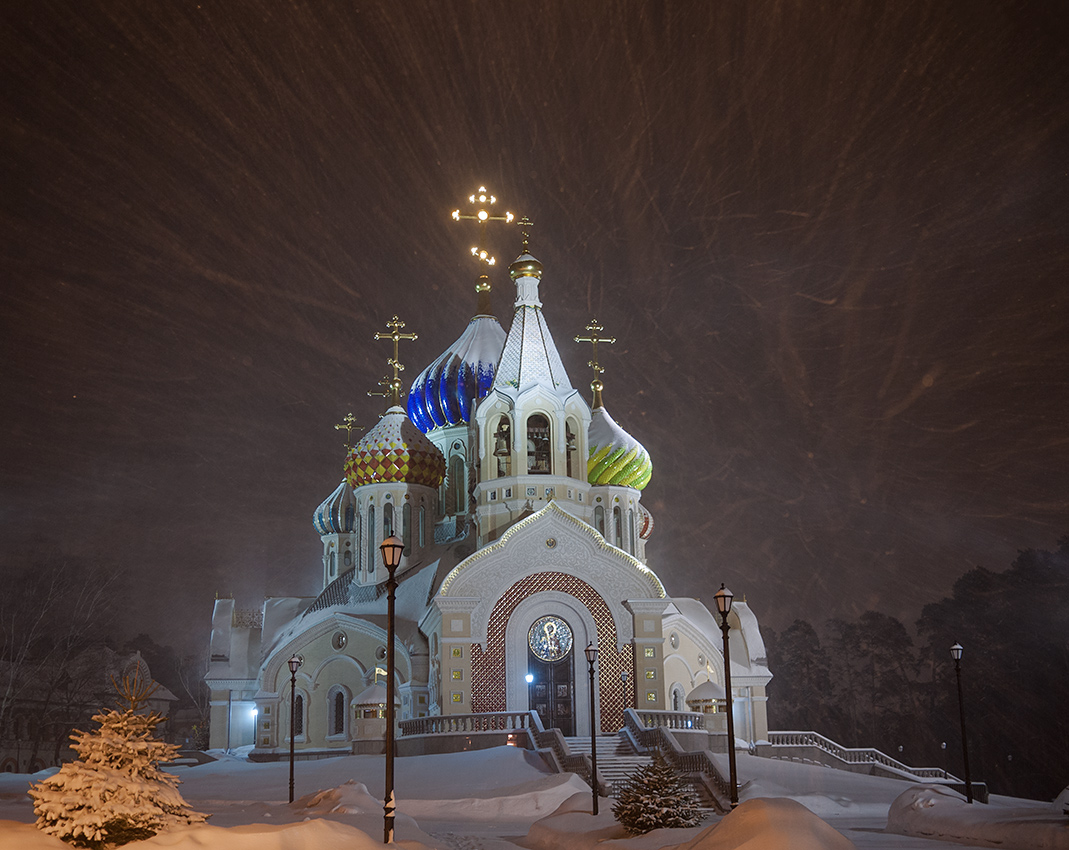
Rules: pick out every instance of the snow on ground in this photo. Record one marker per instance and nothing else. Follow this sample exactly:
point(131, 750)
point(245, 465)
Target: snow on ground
point(941, 813)
point(504, 799)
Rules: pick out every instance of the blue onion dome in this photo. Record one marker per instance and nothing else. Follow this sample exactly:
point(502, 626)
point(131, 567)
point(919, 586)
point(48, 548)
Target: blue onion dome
point(615, 456)
point(445, 393)
point(337, 514)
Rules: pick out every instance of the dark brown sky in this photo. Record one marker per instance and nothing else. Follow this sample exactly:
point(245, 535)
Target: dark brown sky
point(831, 238)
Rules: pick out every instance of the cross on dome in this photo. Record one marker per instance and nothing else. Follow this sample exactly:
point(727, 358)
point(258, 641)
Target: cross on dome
point(594, 328)
point(347, 425)
point(482, 201)
point(395, 325)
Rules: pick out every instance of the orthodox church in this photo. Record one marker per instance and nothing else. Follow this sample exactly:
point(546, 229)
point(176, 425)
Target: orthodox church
point(519, 506)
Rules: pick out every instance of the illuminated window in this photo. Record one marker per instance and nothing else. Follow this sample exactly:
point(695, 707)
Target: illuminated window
point(458, 652)
point(458, 697)
point(457, 674)
point(651, 674)
point(651, 652)
point(651, 696)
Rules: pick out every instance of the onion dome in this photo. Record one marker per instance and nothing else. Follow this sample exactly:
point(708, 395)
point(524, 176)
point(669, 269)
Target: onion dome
point(615, 456)
point(394, 450)
point(337, 514)
point(525, 266)
point(708, 695)
point(445, 393)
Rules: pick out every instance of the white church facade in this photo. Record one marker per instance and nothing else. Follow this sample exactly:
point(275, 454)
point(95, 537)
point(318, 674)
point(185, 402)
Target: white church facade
point(519, 505)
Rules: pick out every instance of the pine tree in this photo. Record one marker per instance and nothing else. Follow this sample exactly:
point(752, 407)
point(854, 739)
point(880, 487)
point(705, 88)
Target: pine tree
point(115, 792)
point(655, 798)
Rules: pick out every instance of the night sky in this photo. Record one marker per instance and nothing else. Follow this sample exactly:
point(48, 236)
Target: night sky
point(832, 240)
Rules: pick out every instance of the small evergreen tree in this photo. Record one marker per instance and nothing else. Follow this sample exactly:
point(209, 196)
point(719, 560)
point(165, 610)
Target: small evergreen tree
point(115, 792)
point(656, 798)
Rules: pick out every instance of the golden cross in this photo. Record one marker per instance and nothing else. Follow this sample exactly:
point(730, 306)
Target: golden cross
point(525, 224)
point(594, 329)
point(395, 325)
point(385, 384)
point(348, 423)
point(482, 201)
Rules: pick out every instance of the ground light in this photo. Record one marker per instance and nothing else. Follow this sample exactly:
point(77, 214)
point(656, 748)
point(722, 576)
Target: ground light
point(723, 599)
point(294, 663)
point(391, 549)
point(591, 653)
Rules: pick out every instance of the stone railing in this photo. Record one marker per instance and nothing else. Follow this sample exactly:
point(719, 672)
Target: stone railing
point(638, 726)
point(446, 724)
point(669, 719)
point(852, 755)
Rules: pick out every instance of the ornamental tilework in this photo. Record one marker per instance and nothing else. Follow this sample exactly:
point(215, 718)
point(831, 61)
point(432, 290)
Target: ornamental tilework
point(488, 686)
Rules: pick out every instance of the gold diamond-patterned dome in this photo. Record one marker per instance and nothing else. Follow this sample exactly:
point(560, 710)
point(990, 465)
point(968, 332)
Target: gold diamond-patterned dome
point(395, 450)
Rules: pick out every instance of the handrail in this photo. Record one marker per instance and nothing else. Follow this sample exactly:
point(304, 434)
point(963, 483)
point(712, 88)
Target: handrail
point(669, 719)
point(661, 738)
point(854, 755)
point(445, 724)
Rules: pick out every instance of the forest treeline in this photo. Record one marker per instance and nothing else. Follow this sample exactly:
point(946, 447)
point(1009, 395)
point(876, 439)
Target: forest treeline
point(871, 682)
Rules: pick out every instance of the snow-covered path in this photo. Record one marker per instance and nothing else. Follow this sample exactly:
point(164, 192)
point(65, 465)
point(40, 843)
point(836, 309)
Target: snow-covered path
point(503, 799)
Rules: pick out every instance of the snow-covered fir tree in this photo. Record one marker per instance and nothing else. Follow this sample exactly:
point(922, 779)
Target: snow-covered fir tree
point(115, 792)
point(656, 798)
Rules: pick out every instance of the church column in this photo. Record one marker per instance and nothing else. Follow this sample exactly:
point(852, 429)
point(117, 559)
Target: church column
point(455, 649)
point(649, 653)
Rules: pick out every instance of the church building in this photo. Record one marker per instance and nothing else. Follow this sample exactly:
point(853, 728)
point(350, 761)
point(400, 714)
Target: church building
point(519, 504)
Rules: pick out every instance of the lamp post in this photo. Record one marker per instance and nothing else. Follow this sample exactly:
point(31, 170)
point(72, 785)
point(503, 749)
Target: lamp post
point(591, 652)
point(723, 599)
point(295, 662)
point(955, 653)
point(391, 549)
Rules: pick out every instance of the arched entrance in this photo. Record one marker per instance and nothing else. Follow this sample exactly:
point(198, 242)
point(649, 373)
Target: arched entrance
point(551, 672)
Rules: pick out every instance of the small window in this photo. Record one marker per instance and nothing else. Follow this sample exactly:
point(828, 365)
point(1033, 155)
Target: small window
point(618, 527)
point(371, 539)
point(503, 447)
point(422, 526)
point(599, 520)
point(572, 449)
point(387, 520)
point(298, 716)
point(406, 525)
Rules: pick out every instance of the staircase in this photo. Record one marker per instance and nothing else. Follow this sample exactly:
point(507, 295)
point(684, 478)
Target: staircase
point(617, 760)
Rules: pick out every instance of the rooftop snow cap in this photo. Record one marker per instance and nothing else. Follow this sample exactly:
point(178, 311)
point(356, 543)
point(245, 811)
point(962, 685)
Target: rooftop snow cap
point(615, 456)
point(337, 514)
point(445, 393)
point(394, 450)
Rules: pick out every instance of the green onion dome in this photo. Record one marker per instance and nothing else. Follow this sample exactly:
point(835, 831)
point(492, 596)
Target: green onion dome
point(615, 456)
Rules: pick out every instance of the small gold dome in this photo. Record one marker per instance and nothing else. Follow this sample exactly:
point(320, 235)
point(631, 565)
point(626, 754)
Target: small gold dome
point(525, 266)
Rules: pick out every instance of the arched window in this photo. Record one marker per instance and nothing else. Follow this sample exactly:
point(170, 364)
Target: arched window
point(337, 710)
point(456, 494)
point(406, 525)
point(422, 526)
point(359, 526)
point(298, 716)
point(503, 447)
point(538, 445)
point(348, 557)
point(572, 449)
point(631, 530)
point(599, 520)
point(387, 520)
point(618, 527)
point(371, 540)
point(333, 563)
point(677, 698)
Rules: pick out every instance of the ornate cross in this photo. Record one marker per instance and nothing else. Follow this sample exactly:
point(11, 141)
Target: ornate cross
point(594, 329)
point(525, 224)
point(482, 201)
point(395, 325)
point(347, 424)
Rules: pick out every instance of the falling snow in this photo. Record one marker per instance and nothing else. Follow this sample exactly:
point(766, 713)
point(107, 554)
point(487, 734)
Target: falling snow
point(831, 241)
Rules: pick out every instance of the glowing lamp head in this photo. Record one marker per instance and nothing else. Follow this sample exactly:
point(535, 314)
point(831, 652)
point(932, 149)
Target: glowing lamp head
point(723, 599)
point(483, 215)
point(529, 677)
point(294, 663)
point(456, 215)
point(956, 650)
point(391, 549)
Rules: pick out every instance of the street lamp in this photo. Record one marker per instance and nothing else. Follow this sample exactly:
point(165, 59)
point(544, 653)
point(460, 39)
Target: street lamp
point(294, 662)
point(391, 549)
point(955, 653)
point(723, 599)
point(591, 652)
